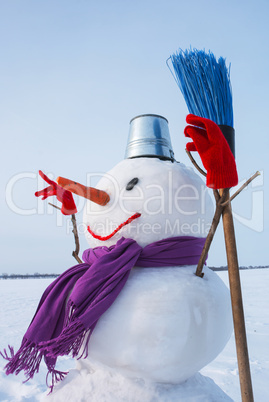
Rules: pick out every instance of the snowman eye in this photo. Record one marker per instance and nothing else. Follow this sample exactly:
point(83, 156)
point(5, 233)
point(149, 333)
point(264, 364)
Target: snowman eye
point(131, 184)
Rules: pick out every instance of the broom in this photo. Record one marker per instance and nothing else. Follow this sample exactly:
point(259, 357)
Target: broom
point(206, 87)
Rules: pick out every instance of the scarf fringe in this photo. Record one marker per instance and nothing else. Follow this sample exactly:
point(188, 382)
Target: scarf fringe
point(29, 356)
point(56, 376)
point(68, 342)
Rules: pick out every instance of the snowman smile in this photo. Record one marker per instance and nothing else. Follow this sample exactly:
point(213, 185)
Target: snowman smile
point(104, 238)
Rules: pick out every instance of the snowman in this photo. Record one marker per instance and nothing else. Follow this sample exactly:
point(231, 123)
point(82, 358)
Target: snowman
point(143, 313)
point(167, 323)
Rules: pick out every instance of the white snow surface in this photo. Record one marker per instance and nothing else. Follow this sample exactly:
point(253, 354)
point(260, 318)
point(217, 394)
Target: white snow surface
point(218, 381)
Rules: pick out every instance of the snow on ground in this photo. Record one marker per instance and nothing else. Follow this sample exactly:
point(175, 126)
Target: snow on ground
point(216, 382)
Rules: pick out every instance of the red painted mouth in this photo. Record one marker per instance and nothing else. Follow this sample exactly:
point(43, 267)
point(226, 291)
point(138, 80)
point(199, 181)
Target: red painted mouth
point(103, 238)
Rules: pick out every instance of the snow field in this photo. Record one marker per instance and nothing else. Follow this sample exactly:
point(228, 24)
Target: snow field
point(19, 299)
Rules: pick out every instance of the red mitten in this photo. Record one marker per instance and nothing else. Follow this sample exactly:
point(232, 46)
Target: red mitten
point(214, 151)
point(64, 196)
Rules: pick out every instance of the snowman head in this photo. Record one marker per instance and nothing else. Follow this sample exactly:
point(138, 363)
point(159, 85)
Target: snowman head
point(149, 200)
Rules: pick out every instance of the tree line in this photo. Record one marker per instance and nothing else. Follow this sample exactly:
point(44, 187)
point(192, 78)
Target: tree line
point(27, 276)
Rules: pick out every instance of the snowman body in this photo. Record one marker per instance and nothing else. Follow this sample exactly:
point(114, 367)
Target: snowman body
point(167, 323)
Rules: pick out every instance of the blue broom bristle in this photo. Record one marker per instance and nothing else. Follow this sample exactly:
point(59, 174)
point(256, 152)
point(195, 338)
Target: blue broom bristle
point(205, 84)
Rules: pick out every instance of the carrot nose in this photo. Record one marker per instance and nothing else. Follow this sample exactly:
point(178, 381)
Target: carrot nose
point(100, 197)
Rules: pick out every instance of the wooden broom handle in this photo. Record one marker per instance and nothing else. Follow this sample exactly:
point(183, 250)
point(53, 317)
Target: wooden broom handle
point(237, 304)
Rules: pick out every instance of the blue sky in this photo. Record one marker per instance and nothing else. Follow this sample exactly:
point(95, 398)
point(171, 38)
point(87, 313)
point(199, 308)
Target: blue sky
point(73, 74)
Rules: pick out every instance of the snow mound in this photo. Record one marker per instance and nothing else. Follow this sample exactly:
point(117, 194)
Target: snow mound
point(102, 385)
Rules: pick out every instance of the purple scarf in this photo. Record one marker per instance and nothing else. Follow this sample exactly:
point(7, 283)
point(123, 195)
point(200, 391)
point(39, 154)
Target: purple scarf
point(72, 304)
